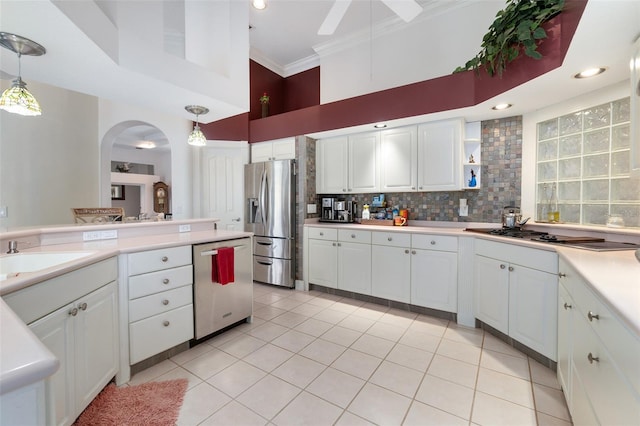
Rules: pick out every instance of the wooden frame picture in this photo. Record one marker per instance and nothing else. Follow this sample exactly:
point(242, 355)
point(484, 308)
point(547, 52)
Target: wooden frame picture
point(117, 192)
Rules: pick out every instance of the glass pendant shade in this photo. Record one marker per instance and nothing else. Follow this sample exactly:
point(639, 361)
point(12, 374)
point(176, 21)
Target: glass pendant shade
point(196, 137)
point(18, 100)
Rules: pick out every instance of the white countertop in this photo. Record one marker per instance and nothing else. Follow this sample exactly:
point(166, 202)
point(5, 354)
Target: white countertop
point(23, 358)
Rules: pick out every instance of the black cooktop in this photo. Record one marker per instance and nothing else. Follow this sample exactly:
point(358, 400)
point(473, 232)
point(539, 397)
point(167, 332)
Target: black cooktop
point(508, 232)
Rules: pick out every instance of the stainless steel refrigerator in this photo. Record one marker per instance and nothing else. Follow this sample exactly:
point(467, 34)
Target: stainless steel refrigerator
point(269, 189)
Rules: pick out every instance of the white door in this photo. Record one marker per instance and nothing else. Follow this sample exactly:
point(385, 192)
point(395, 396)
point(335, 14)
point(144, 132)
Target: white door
point(399, 163)
point(492, 292)
point(331, 165)
point(222, 183)
point(363, 167)
point(391, 273)
point(434, 279)
point(439, 145)
point(323, 264)
point(354, 267)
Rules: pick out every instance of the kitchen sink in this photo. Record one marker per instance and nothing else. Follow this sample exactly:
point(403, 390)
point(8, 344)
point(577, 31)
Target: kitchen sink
point(12, 265)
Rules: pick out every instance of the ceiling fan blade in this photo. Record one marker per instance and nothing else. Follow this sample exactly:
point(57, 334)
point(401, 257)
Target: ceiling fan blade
point(334, 17)
point(405, 9)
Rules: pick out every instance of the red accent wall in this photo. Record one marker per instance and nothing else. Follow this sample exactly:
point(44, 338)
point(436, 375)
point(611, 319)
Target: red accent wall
point(302, 90)
point(438, 94)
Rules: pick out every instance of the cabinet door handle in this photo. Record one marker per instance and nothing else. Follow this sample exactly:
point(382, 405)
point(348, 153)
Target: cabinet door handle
point(73, 312)
point(389, 238)
point(339, 245)
point(413, 188)
point(567, 306)
point(82, 306)
point(165, 259)
point(353, 235)
point(593, 316)
point(166, 323)
point(349, 189)
point(322, 234)
point(165, 302)
point(562, 274)
point(333, 244)
point(592, 358)
point(511, 268)
point(502, 266)
point(419, 187)
point(433, 242)
point(344, 190)
point(165, 281)
point(407, 251)
point(413, 252)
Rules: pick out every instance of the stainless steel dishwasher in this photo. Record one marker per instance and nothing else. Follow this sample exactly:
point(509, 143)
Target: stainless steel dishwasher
point(217, 306)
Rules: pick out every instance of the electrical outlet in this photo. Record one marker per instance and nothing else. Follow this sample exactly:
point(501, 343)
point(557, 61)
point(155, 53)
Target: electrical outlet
point(184, 228)
point(91, 236)
point(4, 212)
point(109, 235)
point(311, 208)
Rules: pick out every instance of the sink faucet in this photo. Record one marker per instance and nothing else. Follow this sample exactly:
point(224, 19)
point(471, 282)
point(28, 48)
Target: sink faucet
point(13, 247)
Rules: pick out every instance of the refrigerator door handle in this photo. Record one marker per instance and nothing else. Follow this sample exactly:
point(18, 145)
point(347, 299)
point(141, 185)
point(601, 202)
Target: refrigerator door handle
point(262, 262)
point(263, 198)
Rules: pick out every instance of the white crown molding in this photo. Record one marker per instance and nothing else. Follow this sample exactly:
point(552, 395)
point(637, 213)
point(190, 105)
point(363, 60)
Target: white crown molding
point(288, 70)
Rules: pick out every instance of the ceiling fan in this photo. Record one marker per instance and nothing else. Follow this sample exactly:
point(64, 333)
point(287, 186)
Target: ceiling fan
point(405, 9)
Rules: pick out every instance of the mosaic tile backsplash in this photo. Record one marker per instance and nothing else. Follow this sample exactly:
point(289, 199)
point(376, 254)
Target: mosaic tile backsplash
point(501, 177)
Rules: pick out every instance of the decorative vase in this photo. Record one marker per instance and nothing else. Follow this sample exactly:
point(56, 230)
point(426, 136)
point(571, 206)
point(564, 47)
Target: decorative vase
point(265, 109)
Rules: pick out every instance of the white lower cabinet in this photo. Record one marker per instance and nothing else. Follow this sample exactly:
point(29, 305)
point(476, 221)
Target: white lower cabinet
point(434, 272)
point(83, 336)
point(340, 259)
point(160, 301)
point(391, 266)
point(518, 300)
point(598, 369)
point(75, 315)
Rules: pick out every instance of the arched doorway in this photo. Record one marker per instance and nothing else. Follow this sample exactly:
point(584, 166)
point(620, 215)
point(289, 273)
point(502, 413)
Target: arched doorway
point(134, 155)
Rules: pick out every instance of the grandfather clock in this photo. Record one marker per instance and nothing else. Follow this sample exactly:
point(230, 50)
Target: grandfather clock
point(160, 197)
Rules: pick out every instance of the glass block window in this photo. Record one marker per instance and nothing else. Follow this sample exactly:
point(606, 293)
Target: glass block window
point(583, 165)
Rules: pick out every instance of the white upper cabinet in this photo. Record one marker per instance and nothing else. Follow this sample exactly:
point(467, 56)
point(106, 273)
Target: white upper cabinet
point(405, 159)
point(348, 164)
point(439, 146)
point(399, 164)
point(332, 165)
point(280, 149)
point(363, 173)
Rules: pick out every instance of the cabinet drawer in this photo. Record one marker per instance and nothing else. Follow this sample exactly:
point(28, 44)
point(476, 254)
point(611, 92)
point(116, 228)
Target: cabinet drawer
point(622, 344)
point(613, 400)
point(160, 332)
point(541, 260)
point(155, 282)
point(323, 233)
point(434, 242)
point(392, 239)
point(155, 260)
point(154, 304)
point(354, 236)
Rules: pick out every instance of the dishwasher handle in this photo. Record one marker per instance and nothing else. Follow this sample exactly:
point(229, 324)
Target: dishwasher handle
point(215, 252)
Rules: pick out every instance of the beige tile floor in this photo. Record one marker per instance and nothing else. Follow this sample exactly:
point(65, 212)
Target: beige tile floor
point(318, 359)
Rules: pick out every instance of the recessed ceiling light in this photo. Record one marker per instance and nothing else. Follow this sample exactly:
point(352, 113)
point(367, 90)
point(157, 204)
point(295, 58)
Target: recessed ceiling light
point(259, 4)
point(591, 72)
point(500, 107)
point(380, 126)
point(146, 145)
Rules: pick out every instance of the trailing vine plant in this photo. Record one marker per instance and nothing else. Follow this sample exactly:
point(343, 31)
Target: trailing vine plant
point(518, 27)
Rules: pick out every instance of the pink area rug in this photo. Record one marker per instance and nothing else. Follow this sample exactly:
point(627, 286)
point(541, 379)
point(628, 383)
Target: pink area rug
point(153, 403)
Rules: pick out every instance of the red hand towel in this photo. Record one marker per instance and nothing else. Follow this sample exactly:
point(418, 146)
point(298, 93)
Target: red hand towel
point(225, 260)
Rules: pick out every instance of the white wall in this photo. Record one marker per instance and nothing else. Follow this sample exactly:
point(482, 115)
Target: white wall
point(529, 133)
point(49, 163)
point(436, 49)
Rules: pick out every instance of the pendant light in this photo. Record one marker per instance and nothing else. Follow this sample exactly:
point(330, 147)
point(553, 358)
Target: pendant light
point(17, 99)
point(196, 137)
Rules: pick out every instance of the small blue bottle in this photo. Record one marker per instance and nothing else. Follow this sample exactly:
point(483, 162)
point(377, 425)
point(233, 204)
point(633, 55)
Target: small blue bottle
point(472, 181)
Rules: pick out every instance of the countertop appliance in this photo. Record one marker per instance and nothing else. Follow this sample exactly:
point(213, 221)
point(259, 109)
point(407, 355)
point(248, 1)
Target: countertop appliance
point(587, 243)
point(269, 189)
point(217, 306)
point(340, 211)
